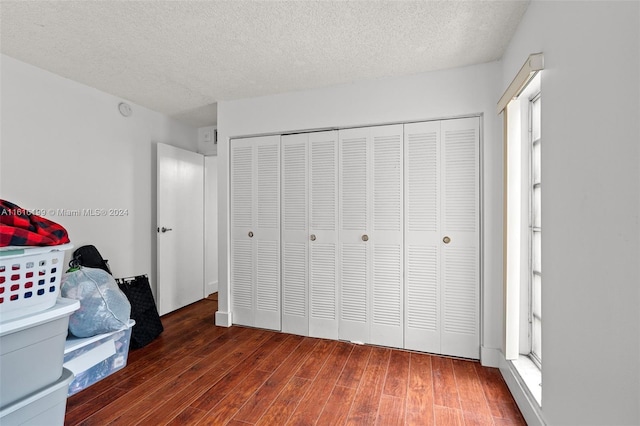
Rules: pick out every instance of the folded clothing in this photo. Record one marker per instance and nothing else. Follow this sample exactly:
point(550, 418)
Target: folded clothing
point(18, 227)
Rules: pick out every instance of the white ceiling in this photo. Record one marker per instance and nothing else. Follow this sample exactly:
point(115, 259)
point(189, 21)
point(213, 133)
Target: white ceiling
point(181, 57)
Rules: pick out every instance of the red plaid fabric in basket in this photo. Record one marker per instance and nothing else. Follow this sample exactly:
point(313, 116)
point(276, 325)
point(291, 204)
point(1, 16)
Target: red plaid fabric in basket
point(18, 227)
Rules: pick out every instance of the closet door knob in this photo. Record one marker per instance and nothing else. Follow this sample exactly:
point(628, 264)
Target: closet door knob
point(250, 234)
point(365, 237)
point(312, 237)
point(446, 240)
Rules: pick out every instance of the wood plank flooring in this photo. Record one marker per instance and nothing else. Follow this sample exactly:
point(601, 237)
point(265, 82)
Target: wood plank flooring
point(200, 374)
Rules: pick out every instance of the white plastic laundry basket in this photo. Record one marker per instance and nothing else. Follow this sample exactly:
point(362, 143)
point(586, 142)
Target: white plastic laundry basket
point(29, 279)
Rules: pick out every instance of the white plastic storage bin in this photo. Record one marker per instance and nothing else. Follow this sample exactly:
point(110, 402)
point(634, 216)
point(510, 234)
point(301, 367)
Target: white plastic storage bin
point(91, 359)
point(32, 350)
point(29, 279)
point(44, 407)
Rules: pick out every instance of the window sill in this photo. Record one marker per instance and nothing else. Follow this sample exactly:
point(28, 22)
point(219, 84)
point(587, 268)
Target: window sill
point(531, 376)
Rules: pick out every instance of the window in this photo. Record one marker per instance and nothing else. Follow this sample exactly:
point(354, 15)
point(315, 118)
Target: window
point(535, 230)
point(521, 106)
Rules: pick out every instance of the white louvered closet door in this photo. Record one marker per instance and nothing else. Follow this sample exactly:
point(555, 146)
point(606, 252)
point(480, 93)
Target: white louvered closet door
point(295, 252)
point(323, 234)
point(309, 234)
point(442, 237)
point(386, 238)
point(242, 222)
point(460, 299)
point(354, 253)
point(371, 235)
point(422, 236)
point(255, 231)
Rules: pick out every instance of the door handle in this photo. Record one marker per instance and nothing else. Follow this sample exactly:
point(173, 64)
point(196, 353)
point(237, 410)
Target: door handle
point(365, 237)
point(446, 240)
point(312, 237)
point(250, 234)
point(163, 229)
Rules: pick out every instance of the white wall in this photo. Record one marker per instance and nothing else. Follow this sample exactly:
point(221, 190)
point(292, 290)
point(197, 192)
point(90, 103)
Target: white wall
point(207, 146)
point(65, 146)
point(456, 92)
point(211, 224)
point(591, 171)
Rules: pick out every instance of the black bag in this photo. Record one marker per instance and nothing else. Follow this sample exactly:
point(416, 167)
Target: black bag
point(90, 257)
point(143, 310)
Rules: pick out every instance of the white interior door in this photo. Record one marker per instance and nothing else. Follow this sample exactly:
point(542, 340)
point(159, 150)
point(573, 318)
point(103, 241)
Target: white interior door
point(180, 227)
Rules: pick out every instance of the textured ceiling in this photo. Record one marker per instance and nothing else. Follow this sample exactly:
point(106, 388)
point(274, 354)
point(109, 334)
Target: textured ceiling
point(182, 57)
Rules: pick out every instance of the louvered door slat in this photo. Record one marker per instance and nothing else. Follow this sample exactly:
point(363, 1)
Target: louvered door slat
point(387, 295)
point(460, 291)
point(422, 320)
point(323, 291)
point(294, 278)
point(354, 306)
point(294, 183)
point(268, 188)
point(241, 176)
point(324, 181)
point(242, 281)
point(422, 168)
point(267, 313)
point(387, 182)
point(353, 180)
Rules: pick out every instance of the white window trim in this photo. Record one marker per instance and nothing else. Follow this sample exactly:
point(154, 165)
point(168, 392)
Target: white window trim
point(521, 375)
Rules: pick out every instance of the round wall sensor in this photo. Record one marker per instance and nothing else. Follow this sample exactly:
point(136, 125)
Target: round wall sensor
point(125, 109)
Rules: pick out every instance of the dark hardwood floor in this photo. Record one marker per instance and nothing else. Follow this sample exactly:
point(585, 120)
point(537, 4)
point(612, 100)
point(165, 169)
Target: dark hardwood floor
point(197, 373)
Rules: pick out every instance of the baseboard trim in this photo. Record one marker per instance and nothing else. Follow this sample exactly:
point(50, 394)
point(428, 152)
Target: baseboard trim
point(223, 319)
point(490, 357)
point(526, 402)
point(212, 287)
